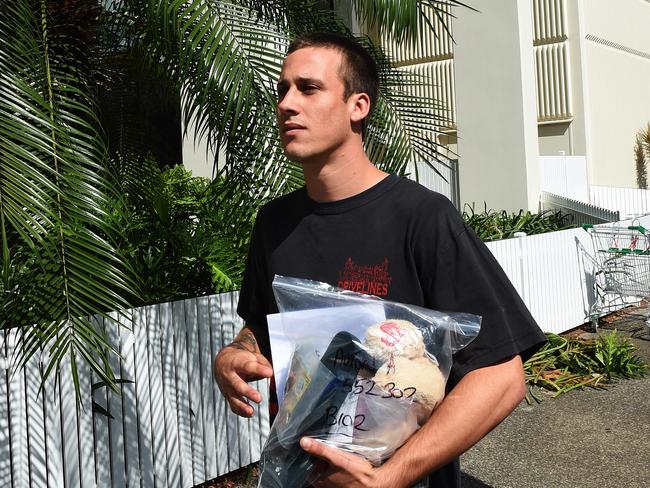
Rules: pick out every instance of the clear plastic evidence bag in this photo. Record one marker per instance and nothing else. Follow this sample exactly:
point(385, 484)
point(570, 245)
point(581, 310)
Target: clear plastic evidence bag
point(352, 371)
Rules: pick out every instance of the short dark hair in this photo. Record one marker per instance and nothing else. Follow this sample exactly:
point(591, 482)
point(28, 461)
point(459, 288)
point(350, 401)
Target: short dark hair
point(358, 71)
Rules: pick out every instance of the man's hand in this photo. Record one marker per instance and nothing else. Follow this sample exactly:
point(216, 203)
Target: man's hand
point(235, 365)
point(342, 469)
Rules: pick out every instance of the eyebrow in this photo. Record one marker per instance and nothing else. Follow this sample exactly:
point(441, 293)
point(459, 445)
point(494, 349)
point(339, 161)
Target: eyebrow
point(301, 80)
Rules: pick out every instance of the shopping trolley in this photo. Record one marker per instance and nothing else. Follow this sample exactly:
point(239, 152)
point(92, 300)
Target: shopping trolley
point(622, 260)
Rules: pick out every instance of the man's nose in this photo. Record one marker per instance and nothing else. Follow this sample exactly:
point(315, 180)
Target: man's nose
point(288, 102)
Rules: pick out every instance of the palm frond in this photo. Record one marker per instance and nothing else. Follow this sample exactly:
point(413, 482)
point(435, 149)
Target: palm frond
point(53, 192)
point(404, 20)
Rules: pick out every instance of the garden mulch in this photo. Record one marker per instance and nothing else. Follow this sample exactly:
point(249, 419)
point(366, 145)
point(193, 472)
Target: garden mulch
point(581, 439)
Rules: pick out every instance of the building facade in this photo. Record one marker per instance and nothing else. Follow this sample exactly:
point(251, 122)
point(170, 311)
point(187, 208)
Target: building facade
point(528, 78)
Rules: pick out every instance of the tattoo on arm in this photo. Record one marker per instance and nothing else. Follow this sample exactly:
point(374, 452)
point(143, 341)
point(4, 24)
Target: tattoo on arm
point(245, 341)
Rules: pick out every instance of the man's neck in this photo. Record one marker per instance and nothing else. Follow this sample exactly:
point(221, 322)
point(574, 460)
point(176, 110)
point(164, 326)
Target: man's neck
point(340, 177)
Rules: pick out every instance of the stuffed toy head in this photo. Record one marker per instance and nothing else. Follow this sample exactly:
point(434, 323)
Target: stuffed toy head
point(406, 366)
point(392, 338)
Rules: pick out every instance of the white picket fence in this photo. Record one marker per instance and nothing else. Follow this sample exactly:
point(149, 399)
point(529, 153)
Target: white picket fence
point(171, 427)
point(554, 274)
point(581, 212)
point(630, 202)
point(565, 176)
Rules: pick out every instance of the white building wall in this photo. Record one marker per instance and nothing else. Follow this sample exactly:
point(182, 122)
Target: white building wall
point(196, 156)
point(496, 105)
point(617, 72)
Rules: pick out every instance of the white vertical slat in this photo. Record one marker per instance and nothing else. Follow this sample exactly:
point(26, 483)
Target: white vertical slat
point(536, 20)
point(434, 42)
point(85, 427)
point(233, 437)
point(548, 94)
point(182, 393)
point(157, 405)
point(221, 407)
point(129, 402)
point(143, 397)
point(101, 426)
point(439, 86)
point(263, 409)
point(548, 32)
point(172, 431)
point(630, 202)
point(539, 85)
point(562, 109)
point(195, 394)
point(231, 317)
point(18, 421)
point(549, 20)
point(36, 423)
point(53, 437)
point(264, 422)
point(69, 425)
point(115, 407)
point(207, 385)
point(553, 80)
point(5, 432)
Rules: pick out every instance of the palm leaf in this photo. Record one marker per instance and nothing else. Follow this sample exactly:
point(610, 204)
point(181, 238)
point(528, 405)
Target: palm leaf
point(405, 20)
point(53, 195)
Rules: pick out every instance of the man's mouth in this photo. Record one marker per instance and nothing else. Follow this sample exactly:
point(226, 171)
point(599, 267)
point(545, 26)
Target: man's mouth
point(291, 128)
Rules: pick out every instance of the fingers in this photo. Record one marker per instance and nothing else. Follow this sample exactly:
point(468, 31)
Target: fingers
point(253, 368)
point(232, 369)
point(334, 457)
point(320, 450)
point(240, 407)
point(238, 387)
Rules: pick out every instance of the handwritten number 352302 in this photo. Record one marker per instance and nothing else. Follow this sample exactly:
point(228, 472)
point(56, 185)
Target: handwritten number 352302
point(367, 386)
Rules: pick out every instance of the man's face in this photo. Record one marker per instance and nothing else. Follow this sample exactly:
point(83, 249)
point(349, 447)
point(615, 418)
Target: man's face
point(313, 118)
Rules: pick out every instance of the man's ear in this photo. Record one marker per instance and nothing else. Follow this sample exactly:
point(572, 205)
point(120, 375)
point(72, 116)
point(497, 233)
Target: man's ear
point(361, 107)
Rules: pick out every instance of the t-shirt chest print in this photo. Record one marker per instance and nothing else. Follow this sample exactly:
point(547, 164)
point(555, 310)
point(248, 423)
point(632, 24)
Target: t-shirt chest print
point(370, 279)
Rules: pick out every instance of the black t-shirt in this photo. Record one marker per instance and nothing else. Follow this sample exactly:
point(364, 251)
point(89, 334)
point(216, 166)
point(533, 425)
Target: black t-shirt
point(401, 242)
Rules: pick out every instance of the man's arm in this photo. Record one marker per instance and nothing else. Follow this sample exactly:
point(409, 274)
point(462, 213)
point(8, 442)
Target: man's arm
point(478, 403)
point(238, 363)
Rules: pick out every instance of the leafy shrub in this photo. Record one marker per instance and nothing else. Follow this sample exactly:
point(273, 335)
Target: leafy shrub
point(491, 225)
point(180, 233)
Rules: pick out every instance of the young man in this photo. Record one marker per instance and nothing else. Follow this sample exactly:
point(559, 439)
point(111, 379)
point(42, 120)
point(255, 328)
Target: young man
point(356, 227)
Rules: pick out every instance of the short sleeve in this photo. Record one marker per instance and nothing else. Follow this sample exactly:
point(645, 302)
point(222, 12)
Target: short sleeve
point(253, 298)
point(466, 277)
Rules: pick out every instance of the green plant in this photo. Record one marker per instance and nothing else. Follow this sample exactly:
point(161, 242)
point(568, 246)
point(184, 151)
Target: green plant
point(59, 261)
point(176, 232)
point(642, 156)
point(491, 225)
point(564, 364)
point(615, 356)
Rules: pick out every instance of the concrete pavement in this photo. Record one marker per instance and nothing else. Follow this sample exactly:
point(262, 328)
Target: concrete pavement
point(582, 439)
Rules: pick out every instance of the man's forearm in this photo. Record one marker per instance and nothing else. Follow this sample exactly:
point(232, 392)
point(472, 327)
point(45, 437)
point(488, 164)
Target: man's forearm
point(480, 401)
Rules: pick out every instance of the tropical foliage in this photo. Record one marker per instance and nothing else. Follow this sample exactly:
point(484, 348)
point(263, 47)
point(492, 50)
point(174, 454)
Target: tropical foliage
point(491, 225)
point(173, 233)
point(642, 156)
point(72, 232)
